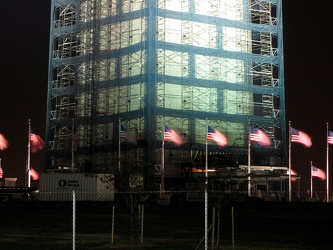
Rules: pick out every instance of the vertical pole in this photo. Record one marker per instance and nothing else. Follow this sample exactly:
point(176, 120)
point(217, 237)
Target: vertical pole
point(28, 161)
point(311, 181)
point(162, 164)
point(142, 219)
point(249, 161)
point(218, 224)
point(232, 227)
point(327, 168)
point(289, 179)
point(206, 218)
point(213, 228)
point(119, 128)
point(73, 144)
point(74, 215)
point(206, 192)
point(112, 233)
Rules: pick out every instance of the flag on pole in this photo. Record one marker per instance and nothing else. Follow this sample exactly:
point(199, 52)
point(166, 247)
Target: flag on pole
point(124, 134)
point(317, 172)
point(3, 142)
point(215, 135)
point(292, 172)
point(260, 137)
point(36, 142)
point(171, 135)
point(34, 175)
point(300, 137)
point(330, 137)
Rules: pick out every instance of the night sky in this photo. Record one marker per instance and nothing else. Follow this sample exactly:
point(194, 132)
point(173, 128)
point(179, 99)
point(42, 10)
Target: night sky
point(308, 54)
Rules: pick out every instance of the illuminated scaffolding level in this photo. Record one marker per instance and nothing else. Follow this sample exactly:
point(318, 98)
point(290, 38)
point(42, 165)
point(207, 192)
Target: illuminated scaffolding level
point(149, 63)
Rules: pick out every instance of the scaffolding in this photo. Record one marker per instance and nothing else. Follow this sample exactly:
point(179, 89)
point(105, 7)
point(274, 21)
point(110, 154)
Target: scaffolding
point(184, 64)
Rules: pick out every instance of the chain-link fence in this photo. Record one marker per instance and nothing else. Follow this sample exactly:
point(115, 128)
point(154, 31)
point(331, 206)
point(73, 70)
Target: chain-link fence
point(136, 220)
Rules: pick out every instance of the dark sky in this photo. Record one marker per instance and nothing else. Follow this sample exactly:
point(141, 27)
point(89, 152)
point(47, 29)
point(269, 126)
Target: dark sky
point(308, 53)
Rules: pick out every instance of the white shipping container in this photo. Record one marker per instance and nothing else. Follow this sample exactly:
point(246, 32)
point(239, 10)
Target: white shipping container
point(60, 186)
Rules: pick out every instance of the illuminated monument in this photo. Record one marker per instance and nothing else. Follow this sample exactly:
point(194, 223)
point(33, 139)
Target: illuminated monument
point(149, 63)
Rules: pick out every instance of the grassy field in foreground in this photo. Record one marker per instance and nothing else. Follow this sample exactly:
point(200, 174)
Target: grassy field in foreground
point(273, 225)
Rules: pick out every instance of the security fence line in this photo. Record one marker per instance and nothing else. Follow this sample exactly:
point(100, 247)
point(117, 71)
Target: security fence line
point(141, 216)
point(135, 220)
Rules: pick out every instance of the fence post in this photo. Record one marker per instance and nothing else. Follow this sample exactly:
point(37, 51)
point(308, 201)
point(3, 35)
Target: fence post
point(218, 226)
point(74, 212)
point(232, 227)
point(112, 233)
point(206, 218)
point(142, 216)
point(213, 229)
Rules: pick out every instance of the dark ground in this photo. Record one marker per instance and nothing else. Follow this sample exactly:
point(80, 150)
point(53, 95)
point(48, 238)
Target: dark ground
point(257, 225)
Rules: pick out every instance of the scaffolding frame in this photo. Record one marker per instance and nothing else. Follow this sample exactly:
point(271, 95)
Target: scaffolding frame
point(112, 59)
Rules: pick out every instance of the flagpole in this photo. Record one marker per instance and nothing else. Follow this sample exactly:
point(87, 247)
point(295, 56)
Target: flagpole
point(289, 160)
point(162, 163)
point(327, 167)
point(119, 128)
point(311, 181)
point(73, 137)
point(249, 160)
point(206, 160)
point(206, 191)
point(28, 161)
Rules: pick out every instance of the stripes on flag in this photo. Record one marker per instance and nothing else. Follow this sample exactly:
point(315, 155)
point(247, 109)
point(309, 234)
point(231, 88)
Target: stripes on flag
point(1, 172)
point(292, 172)
point(171, 135)
point(34, 175)
point(300, 137)
point(3, 142)
point(317, 172)
point(36, 142)
point(257, 135)
point(330, 137)
point(215, 135)
point(124, 134)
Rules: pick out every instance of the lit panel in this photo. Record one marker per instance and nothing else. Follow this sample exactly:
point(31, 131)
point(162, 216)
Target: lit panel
point(237, 102)
point(223, 69)
point(234, 39)
point(173, 62)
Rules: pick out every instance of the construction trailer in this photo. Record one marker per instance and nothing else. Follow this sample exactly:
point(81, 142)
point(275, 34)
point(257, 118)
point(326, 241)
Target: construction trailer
point(87, 187)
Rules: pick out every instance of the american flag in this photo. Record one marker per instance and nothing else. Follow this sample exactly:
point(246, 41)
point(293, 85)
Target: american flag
point(36, 142)
point(34, 175)
point(124, 134)
point(300, 137)
point(317, 172)
point(3, 142)
point(292, 172)
point(330, 137)
point(171, 135)
point(215, 135)
point(1, 172)
point(260, 137)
